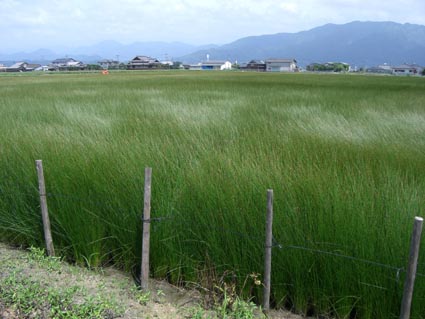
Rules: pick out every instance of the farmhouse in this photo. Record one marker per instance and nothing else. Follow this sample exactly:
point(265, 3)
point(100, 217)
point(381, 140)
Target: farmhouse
point(254, 65)
point(17, 67)
point(408, 69)
point(66, 64)
point(22, 67)
point(404, 69)
point(109, 64)
point(142, 62)
point(281, 65)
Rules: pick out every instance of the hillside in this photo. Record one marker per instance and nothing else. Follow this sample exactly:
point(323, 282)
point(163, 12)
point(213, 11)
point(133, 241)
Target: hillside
point(357, 43)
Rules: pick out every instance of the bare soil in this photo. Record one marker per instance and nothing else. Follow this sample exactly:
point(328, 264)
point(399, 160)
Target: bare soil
point(164, 301)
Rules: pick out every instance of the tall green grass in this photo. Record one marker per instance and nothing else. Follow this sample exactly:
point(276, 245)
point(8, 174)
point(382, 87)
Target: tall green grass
point(345, 156)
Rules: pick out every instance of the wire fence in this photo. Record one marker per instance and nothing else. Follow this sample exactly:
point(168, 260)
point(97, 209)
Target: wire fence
point(177, 218)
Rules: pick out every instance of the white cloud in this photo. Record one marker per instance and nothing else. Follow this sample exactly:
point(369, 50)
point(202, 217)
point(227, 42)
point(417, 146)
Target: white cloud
point(32, 19)
point(289, 7)
point(35, 23)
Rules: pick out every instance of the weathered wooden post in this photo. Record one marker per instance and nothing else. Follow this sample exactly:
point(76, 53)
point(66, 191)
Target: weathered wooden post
point(144, 273)
point(268, 251)
point(411, 269)
point(44, 212)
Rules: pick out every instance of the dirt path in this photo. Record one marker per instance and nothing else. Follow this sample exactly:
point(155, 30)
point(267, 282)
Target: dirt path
point(105, 287)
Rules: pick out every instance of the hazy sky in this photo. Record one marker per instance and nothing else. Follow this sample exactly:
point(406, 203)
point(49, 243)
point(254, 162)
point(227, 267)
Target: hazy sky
point(31, 24)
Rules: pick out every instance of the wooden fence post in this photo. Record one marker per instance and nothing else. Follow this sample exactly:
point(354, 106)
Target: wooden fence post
point(411, 269)
point(44, 212)
point(268, 251)
point(144, 271)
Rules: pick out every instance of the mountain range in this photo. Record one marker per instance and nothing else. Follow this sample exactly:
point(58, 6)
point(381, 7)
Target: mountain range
point(357, 43)
point(107, 50)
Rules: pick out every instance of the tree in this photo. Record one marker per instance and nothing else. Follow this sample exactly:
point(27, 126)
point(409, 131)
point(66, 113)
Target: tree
point(176, 65)
point(93, 67)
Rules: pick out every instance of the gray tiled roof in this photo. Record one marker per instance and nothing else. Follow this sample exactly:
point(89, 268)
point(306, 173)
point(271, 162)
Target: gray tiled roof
point(272, 60)
point(16, 65)
point(145, 59)
point(63, 61)
point(213, 62)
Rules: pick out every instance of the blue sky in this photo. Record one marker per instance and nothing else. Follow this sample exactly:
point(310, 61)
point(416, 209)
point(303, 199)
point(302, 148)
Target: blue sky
point(30, 24)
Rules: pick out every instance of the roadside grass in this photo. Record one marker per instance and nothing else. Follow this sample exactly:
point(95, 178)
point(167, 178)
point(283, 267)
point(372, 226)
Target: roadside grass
point(28, 296)
point(33, 285)
point(344, 155)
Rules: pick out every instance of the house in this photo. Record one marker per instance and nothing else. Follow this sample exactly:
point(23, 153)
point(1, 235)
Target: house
point(216, 65)
point(408, 69)
point(254, 65)
point(109, 64)
point(42, 68)
point(167, 63)
point(385, 66)
point(142, 62)
point(66, 64)
point(281, 65)
point(17, 67)
point(22, 67)
point(380, 69)
point(196, 67)
point(32, 67)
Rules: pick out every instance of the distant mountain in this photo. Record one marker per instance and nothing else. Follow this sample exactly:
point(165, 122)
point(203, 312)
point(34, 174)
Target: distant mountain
point(159, 50)
point(38, 56)
point(108, 50)
point(44, 56)
point(357, 43)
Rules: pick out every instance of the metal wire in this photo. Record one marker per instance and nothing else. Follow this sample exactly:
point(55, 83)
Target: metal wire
point(324, 252)
point(251, 237)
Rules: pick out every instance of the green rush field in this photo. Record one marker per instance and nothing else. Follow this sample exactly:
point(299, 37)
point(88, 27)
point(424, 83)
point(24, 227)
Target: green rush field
point(345, 156)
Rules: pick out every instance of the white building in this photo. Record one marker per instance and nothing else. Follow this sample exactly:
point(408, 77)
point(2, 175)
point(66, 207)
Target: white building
point(408, 69)
point(281, 65)
point(215, 65)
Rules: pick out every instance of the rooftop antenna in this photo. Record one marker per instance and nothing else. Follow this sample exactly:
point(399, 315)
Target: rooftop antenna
point(208, 57)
